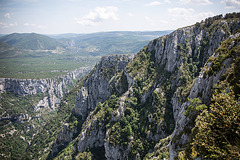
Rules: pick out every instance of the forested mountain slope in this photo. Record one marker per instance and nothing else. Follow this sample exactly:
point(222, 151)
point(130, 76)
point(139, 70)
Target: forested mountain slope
point(31, 41)
point(150, 106)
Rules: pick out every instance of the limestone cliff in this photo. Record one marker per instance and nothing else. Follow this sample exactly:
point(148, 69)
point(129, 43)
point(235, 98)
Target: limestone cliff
point(187, 44)
point(133, 107)
point(96, 88)
point(202, 88)
point(55, 88)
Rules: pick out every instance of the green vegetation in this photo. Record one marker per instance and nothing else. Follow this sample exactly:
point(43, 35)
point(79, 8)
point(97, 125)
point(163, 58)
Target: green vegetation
point(15, 105)
point(38, 65)
point(34, 56)
point(68, 153)
point(161, 150)
point(41, 143)
point(194, 108)
point(15, 133)
point(31, 41)
point(215, 134)
point(84, 156)
point(189, 69)
point(223, 53)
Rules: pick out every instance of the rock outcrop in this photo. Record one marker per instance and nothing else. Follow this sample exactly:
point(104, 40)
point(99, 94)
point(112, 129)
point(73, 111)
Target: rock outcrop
point(202, 89)
point(195, 42)
point(54, 88)
point(63, 138)
point(97, 88)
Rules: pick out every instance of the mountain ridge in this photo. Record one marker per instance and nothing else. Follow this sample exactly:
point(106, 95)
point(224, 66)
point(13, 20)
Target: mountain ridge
point(161, 75)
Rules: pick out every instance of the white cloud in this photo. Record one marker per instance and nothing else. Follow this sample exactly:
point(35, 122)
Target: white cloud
point(181, 12)
point(98, 15)
point(162, 21)
point(204, 15)
point(188, 14)
point(231, 3)
point(34, 25)
point(7, 15)
point(197, 2)
point(7, 25)
point(130, 14)
point(155, 3)
point(149, 20)
point(167, 1)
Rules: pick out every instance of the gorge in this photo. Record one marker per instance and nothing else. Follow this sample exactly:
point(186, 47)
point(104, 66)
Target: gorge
point(149, 105)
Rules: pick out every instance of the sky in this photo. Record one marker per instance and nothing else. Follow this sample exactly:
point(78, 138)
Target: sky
point(88, 16)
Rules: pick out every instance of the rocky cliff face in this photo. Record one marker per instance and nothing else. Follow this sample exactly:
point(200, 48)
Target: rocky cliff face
point(194, 42)
point(168, 51)
point(53, 91)
point(143, 101)
point(96, 88)
point(64, 137)
point(202, 88)
point(55, 88)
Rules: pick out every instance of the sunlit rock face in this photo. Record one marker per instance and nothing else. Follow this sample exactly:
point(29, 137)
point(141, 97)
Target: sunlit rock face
point(97, 88)
point(53, 88)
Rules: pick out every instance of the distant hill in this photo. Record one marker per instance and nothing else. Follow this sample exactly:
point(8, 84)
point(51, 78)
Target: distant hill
point(2, 35)
point(20, 53)
point(113, 33)
point(94, 44)
point(5, 47)
point(31, 41)
point(7, 50)
point(105, 43)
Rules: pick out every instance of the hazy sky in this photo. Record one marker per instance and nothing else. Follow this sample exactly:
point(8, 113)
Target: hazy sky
point(86, 16)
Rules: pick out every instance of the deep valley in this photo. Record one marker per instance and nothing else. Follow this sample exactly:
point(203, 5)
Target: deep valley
point(123, 95)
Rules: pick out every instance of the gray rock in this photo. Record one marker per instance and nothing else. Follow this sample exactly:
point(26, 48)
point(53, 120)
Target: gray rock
point(97, 87)
point(202, 89)
point(55, 88)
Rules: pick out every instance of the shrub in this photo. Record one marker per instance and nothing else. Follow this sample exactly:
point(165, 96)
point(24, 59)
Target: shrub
point(217, 132)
